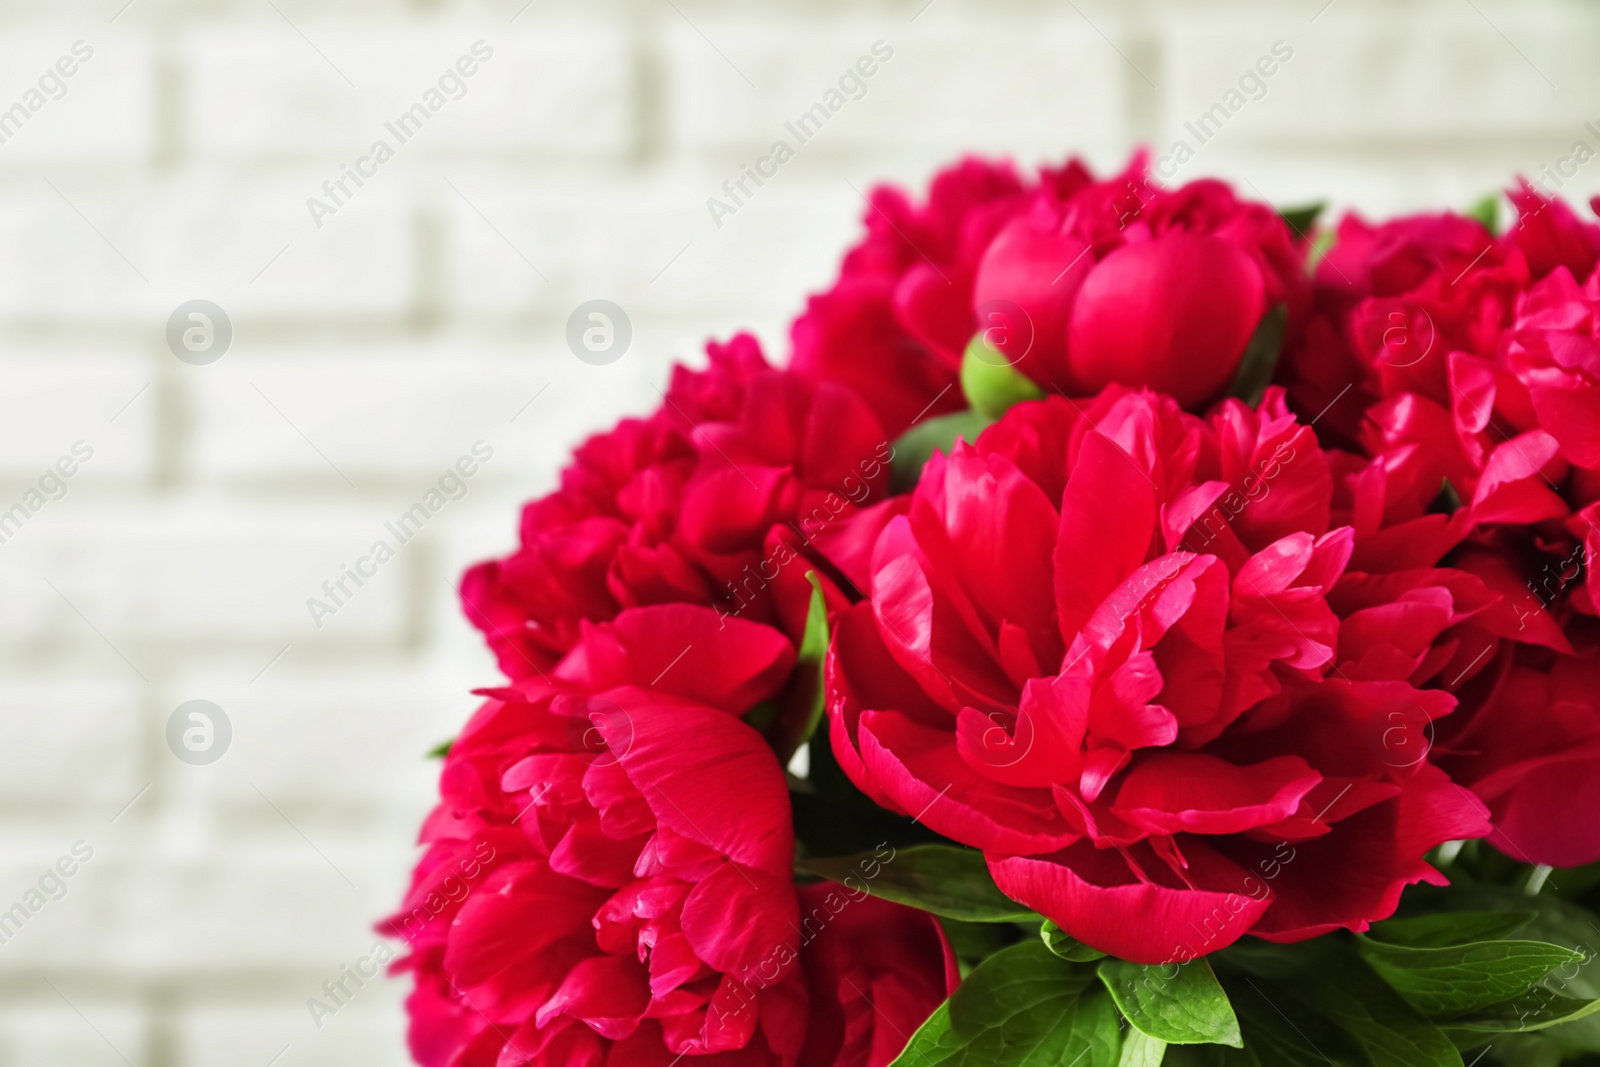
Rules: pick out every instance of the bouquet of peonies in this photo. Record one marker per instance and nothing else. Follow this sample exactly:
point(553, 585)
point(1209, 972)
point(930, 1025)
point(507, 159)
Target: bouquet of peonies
point(1137, 626)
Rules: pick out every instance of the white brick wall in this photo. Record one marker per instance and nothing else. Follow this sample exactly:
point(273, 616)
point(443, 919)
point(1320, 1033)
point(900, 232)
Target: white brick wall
point(370, 352)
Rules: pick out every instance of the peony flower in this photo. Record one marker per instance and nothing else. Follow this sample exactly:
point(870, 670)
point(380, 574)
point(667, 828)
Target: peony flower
point(894, 324)
point(876, 971)
point(1485, 376)
point(719, 499)
point(1409, 341)
point(634, 900)
point(1526, 738)
point(1078, 282)
point(608, 876)
point(1128, 654)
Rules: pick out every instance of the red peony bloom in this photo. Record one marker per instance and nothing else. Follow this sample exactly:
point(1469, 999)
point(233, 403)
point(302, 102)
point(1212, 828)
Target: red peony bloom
point(640, 847)
point(876, 972)
point(1133, 656)
point(708, 501)
point(894, 324)
point(1409, 314)
point(1526, 738)
point(1480, 360)
point(608, 879)
point(1079, 282)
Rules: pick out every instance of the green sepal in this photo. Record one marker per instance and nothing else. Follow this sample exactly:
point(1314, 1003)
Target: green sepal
point(1487, 211)
point(1260, 359)
point(992, 383)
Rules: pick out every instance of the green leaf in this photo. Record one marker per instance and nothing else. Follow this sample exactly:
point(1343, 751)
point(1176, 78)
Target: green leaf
point(1301, 219)
point(1563, 1007)
point(1182, 1004)
point(1377, 1020)
point(912, 449)
point(1260, 357)
point(1535, 1010)
point(802, 703)
point(947, 880)
point(1445, 981)
point(1022, 1007)
point(1278, 1032)
point(1066, 946)
point(1487, 211)
point(441, 750)
point(1317, 1002)
point(975, 942)
point(1141, 1050)
point(827, 825)
point(1573, 882)
point(1521, 1050)
point(1214, 1056)
point(1555, 922)
point(1450, 928)
point(991, 382)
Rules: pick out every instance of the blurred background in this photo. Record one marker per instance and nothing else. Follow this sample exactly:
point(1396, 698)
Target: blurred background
point(360, 338)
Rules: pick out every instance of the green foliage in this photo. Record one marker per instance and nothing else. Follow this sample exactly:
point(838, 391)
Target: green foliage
point(1498, 968)
point(834, 818)
point(1023, 1007)
point(801, 706)
point(1181, 1004)
point(1487, 211)
point(1260, 359)
point(1451, 928)
point(1067, 947)
point(1301, 219)
point(946, 880)
point(975, 942)
point(912, 448)
point(1449, 980)
point(1141, 1050)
